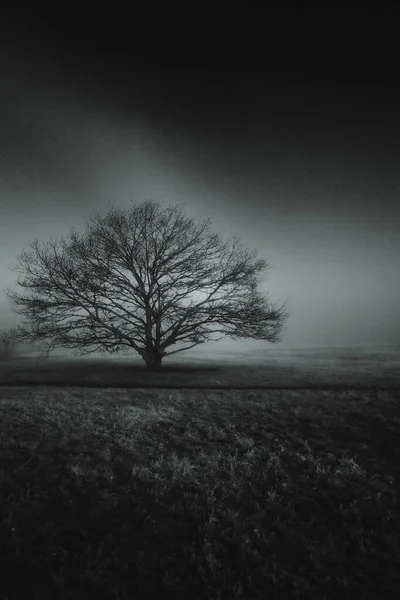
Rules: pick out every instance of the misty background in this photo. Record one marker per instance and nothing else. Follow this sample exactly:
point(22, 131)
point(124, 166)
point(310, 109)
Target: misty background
point(295, 152)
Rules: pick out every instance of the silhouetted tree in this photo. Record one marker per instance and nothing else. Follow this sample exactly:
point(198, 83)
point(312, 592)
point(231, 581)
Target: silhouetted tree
point(122, 283)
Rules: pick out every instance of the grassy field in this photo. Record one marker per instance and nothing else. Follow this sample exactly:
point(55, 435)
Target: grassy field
point(203, 494)
point(333, 368)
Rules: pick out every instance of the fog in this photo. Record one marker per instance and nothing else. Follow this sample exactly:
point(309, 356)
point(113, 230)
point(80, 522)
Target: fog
point(306, 172)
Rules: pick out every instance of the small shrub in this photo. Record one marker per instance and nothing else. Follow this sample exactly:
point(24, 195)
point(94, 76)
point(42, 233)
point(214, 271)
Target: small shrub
point(7, 349)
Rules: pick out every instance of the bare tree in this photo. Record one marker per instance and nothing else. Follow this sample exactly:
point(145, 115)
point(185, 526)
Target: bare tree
point(129, 281)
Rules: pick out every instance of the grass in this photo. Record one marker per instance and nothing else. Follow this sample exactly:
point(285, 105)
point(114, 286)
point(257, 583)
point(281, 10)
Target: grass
point(275, 369)
point(201, 494)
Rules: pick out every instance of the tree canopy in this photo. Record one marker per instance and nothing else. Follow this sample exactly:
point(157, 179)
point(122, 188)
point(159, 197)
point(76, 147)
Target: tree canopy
point(142, 278)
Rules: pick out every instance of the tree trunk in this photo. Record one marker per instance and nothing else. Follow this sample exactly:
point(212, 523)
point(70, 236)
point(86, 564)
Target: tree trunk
point(153, 360)
point(153, 364)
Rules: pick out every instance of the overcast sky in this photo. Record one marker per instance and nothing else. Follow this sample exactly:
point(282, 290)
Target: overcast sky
point(295, 151)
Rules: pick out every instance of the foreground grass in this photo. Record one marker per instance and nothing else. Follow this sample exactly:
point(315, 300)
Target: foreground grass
point(132, 494)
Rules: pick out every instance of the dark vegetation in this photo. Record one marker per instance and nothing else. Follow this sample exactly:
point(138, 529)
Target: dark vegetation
point(199, 494)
